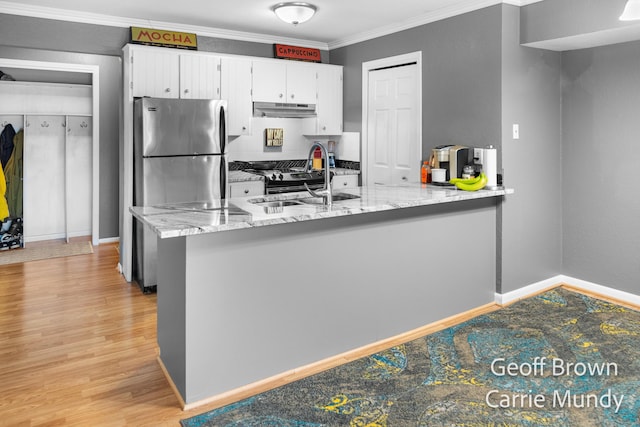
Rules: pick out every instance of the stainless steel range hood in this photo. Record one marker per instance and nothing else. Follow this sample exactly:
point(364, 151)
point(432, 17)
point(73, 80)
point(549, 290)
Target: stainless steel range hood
point(284, 110)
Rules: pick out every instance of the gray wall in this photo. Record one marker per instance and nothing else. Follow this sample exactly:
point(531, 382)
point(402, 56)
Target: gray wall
point(58, 41)
point(531, 218)
point(601, 207)
point(461, 77)
point(477, 82)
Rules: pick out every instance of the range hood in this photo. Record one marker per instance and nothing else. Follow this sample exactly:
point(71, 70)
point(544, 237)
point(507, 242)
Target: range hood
point(277, 109)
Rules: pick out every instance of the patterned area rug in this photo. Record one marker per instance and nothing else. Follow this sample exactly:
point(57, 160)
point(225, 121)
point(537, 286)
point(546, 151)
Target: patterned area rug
point(35, 253)
point(557, 359)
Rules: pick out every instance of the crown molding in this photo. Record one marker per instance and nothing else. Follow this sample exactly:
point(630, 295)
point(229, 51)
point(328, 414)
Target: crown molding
point(116, 21)
point(437, 15)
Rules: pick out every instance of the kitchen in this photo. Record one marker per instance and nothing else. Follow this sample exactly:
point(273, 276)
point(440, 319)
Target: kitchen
point(477, 76)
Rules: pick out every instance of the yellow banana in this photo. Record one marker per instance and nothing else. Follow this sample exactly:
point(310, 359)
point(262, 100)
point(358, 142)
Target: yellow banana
point(467, 180)
point(478, 185)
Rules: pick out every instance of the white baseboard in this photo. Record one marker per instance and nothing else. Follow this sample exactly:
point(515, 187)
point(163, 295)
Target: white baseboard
point(538, 287)
point(528, 290)
point(109, 240)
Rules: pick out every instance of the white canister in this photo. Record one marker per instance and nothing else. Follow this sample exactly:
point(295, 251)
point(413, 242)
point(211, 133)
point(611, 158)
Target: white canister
point(438, 175)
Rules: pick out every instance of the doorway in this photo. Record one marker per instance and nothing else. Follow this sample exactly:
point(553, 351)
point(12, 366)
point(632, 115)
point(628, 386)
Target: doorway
point(92, 189)
point(392, 120)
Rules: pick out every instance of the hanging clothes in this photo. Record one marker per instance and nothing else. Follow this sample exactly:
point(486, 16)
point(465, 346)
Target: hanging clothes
point(4, 207)
point(6, 143)
point(13, 173)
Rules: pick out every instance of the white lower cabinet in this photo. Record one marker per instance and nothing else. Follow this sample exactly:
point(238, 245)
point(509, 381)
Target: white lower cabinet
point(246, 188)
point(344, 181)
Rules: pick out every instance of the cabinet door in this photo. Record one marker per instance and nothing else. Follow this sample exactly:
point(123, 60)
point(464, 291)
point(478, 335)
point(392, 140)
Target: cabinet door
point(301, 83)
point(269, 81)
point(155, 73)
point(329, 106)
point(236, 90)
point(199, 77)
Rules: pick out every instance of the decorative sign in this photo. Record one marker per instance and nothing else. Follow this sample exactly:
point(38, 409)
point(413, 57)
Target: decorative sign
point(274, 137)
point(151, 37)
point(298, 53)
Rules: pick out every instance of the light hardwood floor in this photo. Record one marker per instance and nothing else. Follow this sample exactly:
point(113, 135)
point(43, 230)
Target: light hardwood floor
point(78, 347)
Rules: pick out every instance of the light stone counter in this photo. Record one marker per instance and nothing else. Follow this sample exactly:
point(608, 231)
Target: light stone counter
point(248, 212)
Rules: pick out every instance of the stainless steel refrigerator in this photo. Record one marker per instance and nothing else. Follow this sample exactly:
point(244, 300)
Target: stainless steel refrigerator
point(179, 156)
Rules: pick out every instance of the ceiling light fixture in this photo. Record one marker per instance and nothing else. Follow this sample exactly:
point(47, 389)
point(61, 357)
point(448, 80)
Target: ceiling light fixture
point(631, 11)
point(295, 12)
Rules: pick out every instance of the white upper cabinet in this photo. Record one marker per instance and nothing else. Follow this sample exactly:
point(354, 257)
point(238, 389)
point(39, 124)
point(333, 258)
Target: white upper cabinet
point(155, 73)
point(281, 81)
point(199, 77)
point(329, 104)
point(163, 73)
point(236, 90)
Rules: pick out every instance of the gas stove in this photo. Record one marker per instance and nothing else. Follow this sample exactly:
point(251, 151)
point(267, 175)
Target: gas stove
point(289, 180)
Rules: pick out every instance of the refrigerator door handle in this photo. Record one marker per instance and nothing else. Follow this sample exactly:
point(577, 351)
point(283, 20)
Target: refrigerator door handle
point(223, 177)
point(222, 129)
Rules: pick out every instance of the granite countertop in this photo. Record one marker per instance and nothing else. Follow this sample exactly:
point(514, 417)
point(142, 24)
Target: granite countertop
point(186, 219)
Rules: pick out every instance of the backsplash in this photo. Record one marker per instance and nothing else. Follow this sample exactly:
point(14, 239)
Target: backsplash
point(288, 164)
point(295, 144)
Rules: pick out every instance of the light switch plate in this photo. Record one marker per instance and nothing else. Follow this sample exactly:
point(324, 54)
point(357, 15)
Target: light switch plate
point(516, 131)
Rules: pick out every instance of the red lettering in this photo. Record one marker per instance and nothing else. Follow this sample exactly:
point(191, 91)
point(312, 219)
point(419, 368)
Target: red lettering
point(144, 34)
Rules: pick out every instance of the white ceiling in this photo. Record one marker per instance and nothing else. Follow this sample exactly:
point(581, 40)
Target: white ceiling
point(337, 22)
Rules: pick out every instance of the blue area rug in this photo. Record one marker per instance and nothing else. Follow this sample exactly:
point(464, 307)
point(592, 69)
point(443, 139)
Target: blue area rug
point(557, 359)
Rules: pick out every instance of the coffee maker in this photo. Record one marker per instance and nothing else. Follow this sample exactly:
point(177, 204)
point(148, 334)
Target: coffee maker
point(452, 158)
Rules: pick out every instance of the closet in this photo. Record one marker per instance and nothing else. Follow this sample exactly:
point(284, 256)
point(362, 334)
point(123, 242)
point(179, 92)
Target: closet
point(56, 122)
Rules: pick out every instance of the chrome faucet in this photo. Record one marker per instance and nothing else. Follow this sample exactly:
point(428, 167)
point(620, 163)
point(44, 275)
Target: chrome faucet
point(325, 193)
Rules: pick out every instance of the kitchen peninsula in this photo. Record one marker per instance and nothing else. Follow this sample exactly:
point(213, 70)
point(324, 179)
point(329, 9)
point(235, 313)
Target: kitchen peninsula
point(275, 283)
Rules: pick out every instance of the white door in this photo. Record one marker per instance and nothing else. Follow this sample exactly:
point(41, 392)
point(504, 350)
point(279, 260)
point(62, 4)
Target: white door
point(269, 81)
point(301, 83)
point(156, 73)
point(392, 126)
point(199, 77)
point(235, 88)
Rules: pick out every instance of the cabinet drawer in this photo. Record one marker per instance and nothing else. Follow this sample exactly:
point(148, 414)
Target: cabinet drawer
point(344, 181)
point(246, 188)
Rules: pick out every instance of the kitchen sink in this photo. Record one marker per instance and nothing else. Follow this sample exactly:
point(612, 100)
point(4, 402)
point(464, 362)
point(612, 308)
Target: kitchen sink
point(338, 197)
point(277, 206)
point(277, 203)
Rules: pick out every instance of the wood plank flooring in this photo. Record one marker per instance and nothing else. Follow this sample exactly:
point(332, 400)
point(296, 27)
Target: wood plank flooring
point(78, 347)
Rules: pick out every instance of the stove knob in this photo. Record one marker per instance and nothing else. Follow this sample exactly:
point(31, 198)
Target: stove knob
point(273, 177)
point(281, 177)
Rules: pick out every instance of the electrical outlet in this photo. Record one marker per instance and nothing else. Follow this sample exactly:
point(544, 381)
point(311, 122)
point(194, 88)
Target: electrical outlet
point(516, 131)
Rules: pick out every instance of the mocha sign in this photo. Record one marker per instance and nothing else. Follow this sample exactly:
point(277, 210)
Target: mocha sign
point(163, 38)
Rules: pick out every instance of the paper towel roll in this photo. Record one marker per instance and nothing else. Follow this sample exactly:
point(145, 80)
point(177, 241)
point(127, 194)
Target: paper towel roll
point(490, 167)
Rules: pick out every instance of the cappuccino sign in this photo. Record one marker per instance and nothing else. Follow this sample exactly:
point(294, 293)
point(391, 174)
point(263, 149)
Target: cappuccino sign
point(151, 37)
